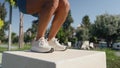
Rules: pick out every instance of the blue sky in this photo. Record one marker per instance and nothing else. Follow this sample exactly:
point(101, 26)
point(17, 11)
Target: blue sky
point(79, 8)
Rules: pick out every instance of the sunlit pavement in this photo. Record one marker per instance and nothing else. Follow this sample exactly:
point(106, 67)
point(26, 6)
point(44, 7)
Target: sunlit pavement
point(5, 46)
point(117, 53)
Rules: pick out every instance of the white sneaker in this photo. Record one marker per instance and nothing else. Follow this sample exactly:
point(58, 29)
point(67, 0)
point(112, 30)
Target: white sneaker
point(56, 45)
point(41, 46)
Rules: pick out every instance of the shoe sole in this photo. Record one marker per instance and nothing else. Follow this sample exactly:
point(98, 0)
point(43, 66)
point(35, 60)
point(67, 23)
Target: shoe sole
point(63, 50)
point(51, 50)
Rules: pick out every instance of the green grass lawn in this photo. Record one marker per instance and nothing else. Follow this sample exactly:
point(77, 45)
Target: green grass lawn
point(113, 61)
point(2, 49)
point(26, 47)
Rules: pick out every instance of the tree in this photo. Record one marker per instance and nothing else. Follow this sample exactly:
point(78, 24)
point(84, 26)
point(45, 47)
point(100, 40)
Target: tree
point(83, 31)
point(2, 17)
point(34, 27)
point(2, 11)
point(92, 33)
point(86, 21)
point(79, 33)
point(106, 26)
point(31, 32)
point(1, 23)
point(14, 37)
point(11, 3)
point(21, 34)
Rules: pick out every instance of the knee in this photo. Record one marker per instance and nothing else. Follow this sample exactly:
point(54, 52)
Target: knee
point(64, 4)
point(51, 4)
point(67, 5)
point(54, 3)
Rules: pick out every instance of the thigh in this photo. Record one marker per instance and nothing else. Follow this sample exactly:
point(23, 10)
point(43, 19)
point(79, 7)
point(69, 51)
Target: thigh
point(34, 6)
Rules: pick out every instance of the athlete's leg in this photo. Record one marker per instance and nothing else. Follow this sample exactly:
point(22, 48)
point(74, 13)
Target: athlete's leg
point(45, 14)
point(59, 18)
point(34, 6)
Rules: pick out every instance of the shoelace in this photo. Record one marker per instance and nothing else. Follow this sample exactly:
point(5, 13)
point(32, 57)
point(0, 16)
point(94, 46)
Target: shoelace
point(57, 42)
point(43, 41)
point(46, 41)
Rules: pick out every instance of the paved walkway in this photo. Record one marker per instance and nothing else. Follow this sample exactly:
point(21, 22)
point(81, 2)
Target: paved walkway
point(117, 53)
point(6, 46)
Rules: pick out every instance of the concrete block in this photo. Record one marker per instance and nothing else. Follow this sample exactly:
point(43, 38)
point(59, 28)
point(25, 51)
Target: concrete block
point(58, 59)
point(0, 57)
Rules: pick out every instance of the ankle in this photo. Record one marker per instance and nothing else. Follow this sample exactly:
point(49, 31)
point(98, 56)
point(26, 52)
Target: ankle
point(38, 38)
point(51, 38)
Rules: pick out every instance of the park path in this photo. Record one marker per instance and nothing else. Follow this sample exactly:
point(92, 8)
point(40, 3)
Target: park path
point(5, 46)
point(117, 53)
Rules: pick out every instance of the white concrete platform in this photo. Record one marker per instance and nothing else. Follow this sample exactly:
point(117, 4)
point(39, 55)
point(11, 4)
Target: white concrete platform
point(59, 59)
point(0, 57)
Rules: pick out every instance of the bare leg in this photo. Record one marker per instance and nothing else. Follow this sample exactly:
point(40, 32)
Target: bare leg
point(45, 15)
point(34, 6)
point(59, 18)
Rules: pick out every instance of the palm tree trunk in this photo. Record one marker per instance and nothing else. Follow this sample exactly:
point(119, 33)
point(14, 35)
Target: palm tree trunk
point(21, 33)
point(9, 33)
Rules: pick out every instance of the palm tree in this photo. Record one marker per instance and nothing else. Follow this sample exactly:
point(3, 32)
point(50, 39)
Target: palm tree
point(21, 33)
point(12, 3)
point(10, 22)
